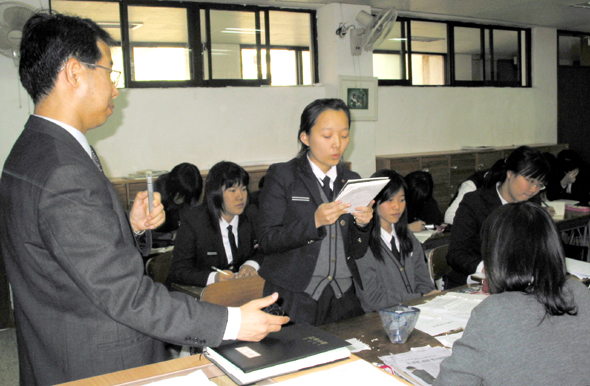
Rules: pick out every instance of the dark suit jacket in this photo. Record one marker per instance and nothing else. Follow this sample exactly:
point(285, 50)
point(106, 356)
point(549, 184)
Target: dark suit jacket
point(465, 248)
point(288, 236)
point(83, 306)
point(199, 245)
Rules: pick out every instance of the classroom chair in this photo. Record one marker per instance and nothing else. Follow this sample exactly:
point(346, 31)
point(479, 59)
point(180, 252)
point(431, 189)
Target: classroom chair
point(158, 266)
point(437, 264)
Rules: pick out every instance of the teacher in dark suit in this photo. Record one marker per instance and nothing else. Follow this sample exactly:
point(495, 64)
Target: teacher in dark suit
point(309, 240)
point(82, 304)
point(218, 233)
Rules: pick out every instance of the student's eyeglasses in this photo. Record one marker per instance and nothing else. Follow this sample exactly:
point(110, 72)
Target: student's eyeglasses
point(115, 75)
point(536, 183)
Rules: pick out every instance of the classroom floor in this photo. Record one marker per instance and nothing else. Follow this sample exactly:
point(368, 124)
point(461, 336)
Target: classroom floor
point(8, 358)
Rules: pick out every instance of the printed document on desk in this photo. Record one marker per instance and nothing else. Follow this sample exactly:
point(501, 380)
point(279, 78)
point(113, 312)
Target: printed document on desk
point(421, 365)
point(580, 269)
point(360, 192)
point(447, 313)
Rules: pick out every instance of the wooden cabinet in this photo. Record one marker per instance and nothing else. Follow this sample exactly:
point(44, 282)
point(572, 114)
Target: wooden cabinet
point(127, 188)
point(450, 168)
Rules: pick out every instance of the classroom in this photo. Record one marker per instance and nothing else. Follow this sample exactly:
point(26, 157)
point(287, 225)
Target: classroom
point(156, 128)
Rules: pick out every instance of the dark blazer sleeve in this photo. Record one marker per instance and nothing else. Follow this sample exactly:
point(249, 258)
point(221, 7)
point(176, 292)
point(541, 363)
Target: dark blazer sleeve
point(465, 247)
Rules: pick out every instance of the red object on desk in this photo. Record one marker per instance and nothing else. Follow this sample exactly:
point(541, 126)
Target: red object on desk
point(577, 208)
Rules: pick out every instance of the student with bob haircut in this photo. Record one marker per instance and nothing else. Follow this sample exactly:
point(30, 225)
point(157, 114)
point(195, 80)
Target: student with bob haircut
point(394, 268)
point(522, 176)
point(218, 233)
point(422, 207)
point(180, 190)
point(309, 240)
point(533, 328)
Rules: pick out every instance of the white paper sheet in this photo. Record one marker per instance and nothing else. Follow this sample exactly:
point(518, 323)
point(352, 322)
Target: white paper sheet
point(192, 379)
point(580, 269)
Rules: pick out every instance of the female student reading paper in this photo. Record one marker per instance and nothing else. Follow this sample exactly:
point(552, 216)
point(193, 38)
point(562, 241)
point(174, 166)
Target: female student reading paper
point(216, 240)
point(394, 269)
point(522, 177)
point(533, 329)
point(310, 243)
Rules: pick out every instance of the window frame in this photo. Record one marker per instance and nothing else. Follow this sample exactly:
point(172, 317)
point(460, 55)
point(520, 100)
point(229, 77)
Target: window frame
point(449, 56)
point(196, 49)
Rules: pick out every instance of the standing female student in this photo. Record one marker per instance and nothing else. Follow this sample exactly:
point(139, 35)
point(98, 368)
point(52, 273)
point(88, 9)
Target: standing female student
point(523, 176)
point(533, 329)
point(216, 234)
point(394, 269)
point(310, 243)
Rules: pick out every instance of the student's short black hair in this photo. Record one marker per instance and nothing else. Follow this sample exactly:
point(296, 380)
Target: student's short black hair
point(396, 182)
point(420, 186)
point(185, 181)
point(312, 112)
point(529, 163)
point(522, 252)
point(49, 40)
point(222, 175)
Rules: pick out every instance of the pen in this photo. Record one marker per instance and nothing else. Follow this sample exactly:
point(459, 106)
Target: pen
point(219, 270)
point(150, 188)
point(429, 227)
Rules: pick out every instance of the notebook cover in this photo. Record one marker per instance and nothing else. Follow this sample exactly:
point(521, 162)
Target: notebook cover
point(289, 344)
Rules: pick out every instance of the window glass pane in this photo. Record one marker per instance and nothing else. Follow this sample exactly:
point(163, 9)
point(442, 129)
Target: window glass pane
point(389, 58)
point(428, 38)
point(506, 56)
point(489, 68)
point(158, 39)
point(229, 31)
point(570, 50)
point(106, 15)
point(468, 57)
point(204, 52)
point(306, 64)
point(290, 33)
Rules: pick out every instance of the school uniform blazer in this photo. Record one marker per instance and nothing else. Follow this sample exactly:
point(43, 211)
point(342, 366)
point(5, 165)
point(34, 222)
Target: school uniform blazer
point(199, 245)
point(83, 305)
point(288, 236)
point(464, 253)
point(390, 282)
point(509, 340)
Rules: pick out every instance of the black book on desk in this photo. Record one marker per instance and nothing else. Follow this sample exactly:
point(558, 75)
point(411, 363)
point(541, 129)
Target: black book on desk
point(293, 348)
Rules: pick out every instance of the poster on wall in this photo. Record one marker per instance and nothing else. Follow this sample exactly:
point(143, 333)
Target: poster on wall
point(360, 95)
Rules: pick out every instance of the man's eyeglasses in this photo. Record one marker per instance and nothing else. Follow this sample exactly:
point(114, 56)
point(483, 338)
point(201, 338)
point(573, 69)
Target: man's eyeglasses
point(115, 75)
point(534, 182)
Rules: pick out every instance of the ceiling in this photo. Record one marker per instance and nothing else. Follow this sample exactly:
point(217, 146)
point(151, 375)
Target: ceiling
point(522, 13)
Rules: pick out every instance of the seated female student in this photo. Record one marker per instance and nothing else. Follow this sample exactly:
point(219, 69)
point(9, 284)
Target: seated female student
point(309, 240)
point(394, 269)
point(533, 329)
point(421, 206)
point(524, 175)
point(180, 191)
point(216, 241)
point(570, 178)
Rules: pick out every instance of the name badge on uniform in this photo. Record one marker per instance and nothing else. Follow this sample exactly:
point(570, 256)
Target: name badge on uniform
point(211, 253)
point(297, 198)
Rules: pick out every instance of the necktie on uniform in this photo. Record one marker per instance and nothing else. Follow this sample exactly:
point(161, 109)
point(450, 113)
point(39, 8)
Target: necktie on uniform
point(326, 188)
point(232, 243)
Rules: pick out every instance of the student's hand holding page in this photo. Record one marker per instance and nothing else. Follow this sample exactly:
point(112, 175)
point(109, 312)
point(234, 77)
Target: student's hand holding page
point(328, 213)
point(139, 216)
point(363, 214)
point(257, 324)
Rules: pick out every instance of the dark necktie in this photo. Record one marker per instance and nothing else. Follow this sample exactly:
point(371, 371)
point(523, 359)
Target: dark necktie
point(326, 188)
point(232, 243)
point(394, 249)
point(95, 159)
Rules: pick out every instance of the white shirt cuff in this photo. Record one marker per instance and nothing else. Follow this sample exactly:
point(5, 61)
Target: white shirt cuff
point(252, 264)
point(478, 269)
point(234, 322)
point(211, 278)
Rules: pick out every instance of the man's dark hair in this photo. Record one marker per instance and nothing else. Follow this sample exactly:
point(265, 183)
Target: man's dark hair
point(49, 41)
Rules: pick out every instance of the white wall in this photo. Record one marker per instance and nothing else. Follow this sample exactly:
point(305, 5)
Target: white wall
point(159, 128)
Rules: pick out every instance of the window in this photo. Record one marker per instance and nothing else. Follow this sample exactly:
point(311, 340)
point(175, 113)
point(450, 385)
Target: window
point(196, 44)
point(573, 48)
point(433, 53)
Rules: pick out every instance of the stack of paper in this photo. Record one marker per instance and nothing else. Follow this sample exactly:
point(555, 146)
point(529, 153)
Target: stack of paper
point(447, 313)
point(420, 366)
point(580, 269)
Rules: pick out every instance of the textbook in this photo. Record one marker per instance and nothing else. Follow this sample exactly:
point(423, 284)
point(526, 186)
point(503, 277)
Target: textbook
point(361, 191)
point(293, 348)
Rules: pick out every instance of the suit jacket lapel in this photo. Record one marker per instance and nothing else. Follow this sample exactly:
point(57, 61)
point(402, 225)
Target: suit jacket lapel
point(309, 180)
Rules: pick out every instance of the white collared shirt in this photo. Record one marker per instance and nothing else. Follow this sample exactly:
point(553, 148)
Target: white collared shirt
point(77, 134)
point(386, 236)
point(320, 175)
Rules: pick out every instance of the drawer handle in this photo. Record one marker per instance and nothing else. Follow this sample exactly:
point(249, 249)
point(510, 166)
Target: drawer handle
point(454, 167)
point(426, 170)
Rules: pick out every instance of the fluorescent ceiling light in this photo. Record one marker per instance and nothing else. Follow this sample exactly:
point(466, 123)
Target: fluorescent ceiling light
point(581, 5)
point(422, 39)
point(117, 25)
